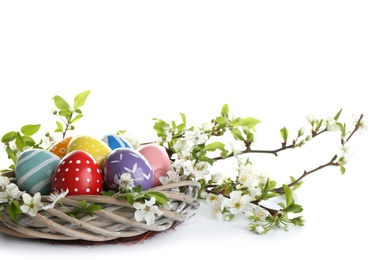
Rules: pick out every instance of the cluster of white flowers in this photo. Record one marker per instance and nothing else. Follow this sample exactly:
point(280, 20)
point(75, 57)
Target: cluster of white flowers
point(10, 193)
point(146, 211)
point(250, 181)
point(184, 165)
point(125, 181)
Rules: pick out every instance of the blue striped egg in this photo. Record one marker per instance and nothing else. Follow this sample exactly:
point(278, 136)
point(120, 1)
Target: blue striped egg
point(116, 141)
point(34, 170)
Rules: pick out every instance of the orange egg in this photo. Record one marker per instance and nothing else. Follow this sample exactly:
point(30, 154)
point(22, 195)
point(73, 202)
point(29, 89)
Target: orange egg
point(60, 148)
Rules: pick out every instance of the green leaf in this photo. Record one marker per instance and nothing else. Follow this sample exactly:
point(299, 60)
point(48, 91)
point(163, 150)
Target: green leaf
point(342, 169)
point(108, 193)
point(161, 198)
point(214, 146)
point(83, 204)
point(130, 198)
point(336, 117)
point(183, 125)
point(294, 208)
point(343, 128)
point(92, 207)
point(159, 127)
point(28, 141)
point(225, 110)
point(77, 111)
point(8, 137)
point(289, 195)
point(237, 134)
point(137, 189)
point(59, 126)
point(76, 118)
point(19, 142)
point(61, 104)
point(249, 122)
point(284, 133)
point(269, 185)
point(221, 120)
point(319, 123)
point(14, 210)
point(296, 186)
point(282, 205)
point(80, 99)
point(66, 114)
point(30, 130)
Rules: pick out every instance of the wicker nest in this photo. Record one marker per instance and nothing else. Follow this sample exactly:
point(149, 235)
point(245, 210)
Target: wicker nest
point(114, 221)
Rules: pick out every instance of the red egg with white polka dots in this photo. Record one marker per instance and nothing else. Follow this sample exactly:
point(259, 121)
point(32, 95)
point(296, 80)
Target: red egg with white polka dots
point(79, 173)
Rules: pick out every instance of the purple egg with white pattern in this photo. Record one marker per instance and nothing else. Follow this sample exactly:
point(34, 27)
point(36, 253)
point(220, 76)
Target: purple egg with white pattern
point(126, 160)
point(116, 141)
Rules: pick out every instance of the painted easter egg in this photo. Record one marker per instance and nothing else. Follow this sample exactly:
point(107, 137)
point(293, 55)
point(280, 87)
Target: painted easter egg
point(95, 147)
point(79, 173)
point(34, 170)
point(158, 159)
point(116, 141)
point(60, 148)
point(127, 160)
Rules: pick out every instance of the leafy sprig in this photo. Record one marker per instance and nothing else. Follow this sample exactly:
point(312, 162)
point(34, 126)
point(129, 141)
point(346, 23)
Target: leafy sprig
point(17, 141)
point(188, 146)
point(67, 114)
point(84, 209)
point(136, 194)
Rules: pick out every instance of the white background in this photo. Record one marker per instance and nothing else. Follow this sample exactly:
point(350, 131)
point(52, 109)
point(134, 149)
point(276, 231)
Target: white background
point(274, 60)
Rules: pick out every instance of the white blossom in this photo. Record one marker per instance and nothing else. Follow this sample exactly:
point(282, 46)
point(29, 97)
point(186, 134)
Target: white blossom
point(216, 177)
point(171, 177)
point(131, 139)
point(201, 169)
point(147, 211)
point(208, 126)
point(4, 181)
point(246, 176)
point(10, 193)
point(31, 204)
point(181, 148)
point(312, 119)
point(168, 129)
point(331, 124)
point(237, 147)
point(238, 203)
point(257, 213)
point(125, 181)
point(301, 131)
point(287, 226)
point(362, 124)
point(188, 167)
point(196, 136)
point(55, 197)
point(260, 230)
point(216, 203)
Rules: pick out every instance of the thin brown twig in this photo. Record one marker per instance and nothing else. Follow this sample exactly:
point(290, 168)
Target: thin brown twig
point(332, 162)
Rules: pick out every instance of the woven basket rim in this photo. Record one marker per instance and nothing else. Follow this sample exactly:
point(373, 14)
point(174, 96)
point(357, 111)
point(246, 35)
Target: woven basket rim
point(114, 221)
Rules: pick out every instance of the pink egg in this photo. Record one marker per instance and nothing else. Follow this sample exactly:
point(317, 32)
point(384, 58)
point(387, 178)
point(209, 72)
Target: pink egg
point(158, 159)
